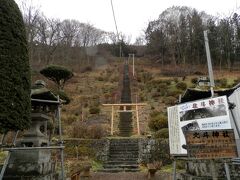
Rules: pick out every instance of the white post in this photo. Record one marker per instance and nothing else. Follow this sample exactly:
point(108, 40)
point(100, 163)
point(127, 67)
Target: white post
point(137, 116)
point(112, 120)
point(210, 70)
point(138, 127)
point(133, 66)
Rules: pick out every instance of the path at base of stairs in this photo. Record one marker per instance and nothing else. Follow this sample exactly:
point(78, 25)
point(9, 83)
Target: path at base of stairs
point(129, 176)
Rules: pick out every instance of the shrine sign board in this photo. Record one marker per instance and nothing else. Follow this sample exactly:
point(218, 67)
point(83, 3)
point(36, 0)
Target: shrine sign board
point(201, 115)
point(211, 144)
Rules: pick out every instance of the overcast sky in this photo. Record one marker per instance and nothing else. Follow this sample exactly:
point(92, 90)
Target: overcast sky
point(132, 15)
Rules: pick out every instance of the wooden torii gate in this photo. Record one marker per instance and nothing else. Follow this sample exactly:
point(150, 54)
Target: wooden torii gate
point(134, 108)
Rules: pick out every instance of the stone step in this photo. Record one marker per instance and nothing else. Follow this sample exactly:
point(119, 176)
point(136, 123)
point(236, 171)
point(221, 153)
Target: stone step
point(124, 148)
point(117, 162)
point(125, 135)
point(116, 170)
point(130, 122)
point(123, 151)
point(123, 156)
point(126, 122)
point(125, 132)
point(123, 166)
point(135, 147)
point(123, 144)
point(125, 140)
point(126, 143)
point(128, 129)
point(125, 128)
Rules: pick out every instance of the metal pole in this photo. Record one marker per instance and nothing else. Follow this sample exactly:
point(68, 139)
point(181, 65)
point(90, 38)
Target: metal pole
point(213, 170)
point(5, 165)
point(235, 123)
point(3, 138)
point(174, 170)
point(227, 171)
point(112, 120)
point(120, 49)
point(210, 70)
point(15, 138)
point(61, 140)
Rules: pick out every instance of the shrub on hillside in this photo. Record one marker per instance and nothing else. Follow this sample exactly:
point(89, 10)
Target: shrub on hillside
point(78, 130)
point(86, 69)
point(162, 86)
point(162, 133)
point(194, 80)
point(181, 85)
point(157, 121)
point(145, 77)
point(221, 82)
point(82, 130)
point(96, 131)
point(167, 81)
point(170, 100)
point(100, 78)
point(175, 93)
point(174, 72)
point(175, 80)
point(94, 110)
point(235, 82)
point(156, 95)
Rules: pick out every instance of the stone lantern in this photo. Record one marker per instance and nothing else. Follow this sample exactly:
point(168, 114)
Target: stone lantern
point(35, 162)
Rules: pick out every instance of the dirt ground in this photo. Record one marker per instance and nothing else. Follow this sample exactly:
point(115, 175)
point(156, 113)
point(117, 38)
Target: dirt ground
point(128, 176)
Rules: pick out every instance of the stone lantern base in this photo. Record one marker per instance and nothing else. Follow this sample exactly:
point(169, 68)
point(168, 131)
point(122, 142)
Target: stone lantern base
point(34, 164)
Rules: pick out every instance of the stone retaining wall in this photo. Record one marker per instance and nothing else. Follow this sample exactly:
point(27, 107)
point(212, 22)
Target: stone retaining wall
point(96, 148)
point(149, 149)
point(207, 168)
point(154, 150)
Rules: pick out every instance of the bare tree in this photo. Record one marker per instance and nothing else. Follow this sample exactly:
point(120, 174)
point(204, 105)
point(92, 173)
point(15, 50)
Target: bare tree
point(31, 16)
point(49, 37)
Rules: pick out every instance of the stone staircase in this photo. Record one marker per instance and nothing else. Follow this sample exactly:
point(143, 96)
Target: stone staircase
point(125, 124)
point(123, 156)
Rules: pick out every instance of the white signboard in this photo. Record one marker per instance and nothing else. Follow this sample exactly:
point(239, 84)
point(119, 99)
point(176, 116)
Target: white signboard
point(205, 114)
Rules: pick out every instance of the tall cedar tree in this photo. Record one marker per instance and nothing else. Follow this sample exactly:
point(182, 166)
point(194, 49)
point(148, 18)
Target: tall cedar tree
point(15, 104)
